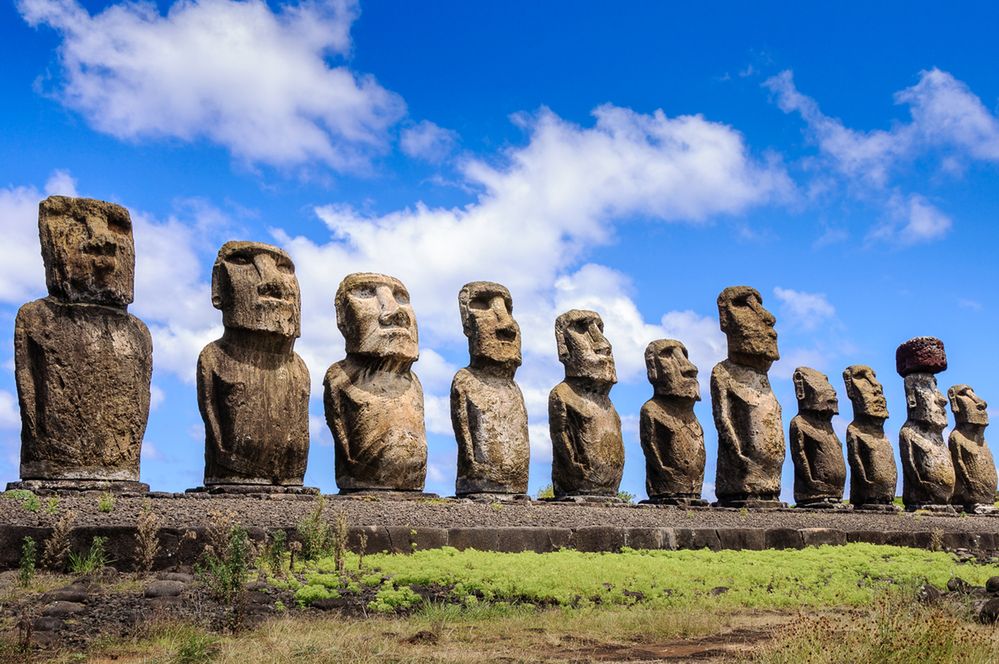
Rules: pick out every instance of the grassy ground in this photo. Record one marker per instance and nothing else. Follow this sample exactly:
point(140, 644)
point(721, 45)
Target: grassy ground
point(826, 604)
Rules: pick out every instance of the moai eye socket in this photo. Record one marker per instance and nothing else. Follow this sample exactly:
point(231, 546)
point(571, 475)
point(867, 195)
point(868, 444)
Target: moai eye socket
point(239, 259)
point(401, 296)
point(362, 292)
point(285, 266)
point(479, 303)
point(580, 326)
point(120, 222)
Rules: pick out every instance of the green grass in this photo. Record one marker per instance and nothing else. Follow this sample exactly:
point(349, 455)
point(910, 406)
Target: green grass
point(814, 577)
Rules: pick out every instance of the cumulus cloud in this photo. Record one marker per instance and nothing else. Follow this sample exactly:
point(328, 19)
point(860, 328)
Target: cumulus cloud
point(803, 310)
point(254, 80)
point(427, 141)
point(9, 415)
point(912, 220)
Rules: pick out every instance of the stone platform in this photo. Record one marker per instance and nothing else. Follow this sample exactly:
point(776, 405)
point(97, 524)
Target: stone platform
point(402, 526)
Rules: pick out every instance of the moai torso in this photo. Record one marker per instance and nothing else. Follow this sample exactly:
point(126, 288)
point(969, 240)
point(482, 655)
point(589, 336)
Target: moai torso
point(873, 474)
point(587, 447)
point(817, 454)
point(671, 436)
point(974, 467)
point(83, 364)
point(487, 407)
point(253, 389)
point(373, 400)
point(83, 374)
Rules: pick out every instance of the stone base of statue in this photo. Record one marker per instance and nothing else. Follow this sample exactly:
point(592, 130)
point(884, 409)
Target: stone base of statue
point(585, 500)
point(43, 487)
point(385, 494)
point(248, 489)
point(822, 504)
point(936, 509)
point(751, 503)
point(485, 497)
point(876, 507)
point(978, 508)
point(674, 501)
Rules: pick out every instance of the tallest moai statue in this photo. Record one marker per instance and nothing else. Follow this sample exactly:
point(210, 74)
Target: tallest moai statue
point(83, 363)
point(746, 412)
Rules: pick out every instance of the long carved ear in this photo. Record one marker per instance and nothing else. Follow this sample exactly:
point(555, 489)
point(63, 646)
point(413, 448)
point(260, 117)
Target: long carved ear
point(217, 285)
point(848, 383)
point(952, 397)
point(799, 384)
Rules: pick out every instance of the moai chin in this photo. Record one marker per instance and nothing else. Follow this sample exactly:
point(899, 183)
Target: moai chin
point(587, 448)
point(672, 438)
point(487, 407)
point(974, 467)
point(253, 389)
point(374, 402)
point(817, 454)
point(927, 471)
point(873, 474)
point(83, 364)
point(746, 412)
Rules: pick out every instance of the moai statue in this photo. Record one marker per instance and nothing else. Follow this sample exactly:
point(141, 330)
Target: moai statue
point(487, 406)
point(927, 470)
point(873, 474)
point(83, 364)
point(587, 448)
point(817, 454)
point(671, 436)
point(374, 402)
point(974, 468)
point(746, 412)
point(253, 389)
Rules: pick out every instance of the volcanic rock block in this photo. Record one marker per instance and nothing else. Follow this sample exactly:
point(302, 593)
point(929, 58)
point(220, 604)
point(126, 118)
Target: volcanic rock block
point(974, 468)
point(817, 454)
point(374, 402)
point(873, 474)
point(487, 407)
point(746, 412)
point(83, 364)
point(587, 447)
point(672, 438)
point(253, 389)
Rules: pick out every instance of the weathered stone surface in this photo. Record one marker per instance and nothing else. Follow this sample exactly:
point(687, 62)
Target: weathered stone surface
point(974, 468)
point(920, 355)
point(374, 402)
point(164, 588)
point(927, 470)
point(746, 412)
point(487, 407)
point(672, 438)
point(253, 389)
point(60, 608)
point(587, 447)
point(817, 454)
point(82, 363)
point(873, 474)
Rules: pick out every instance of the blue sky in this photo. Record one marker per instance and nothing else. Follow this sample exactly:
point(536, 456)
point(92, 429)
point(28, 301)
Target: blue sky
point(634, 160)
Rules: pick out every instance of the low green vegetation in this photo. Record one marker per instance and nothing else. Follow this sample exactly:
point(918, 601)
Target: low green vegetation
point(26, 567)
point(29, 501)
point(105, 503)
point(92, 561)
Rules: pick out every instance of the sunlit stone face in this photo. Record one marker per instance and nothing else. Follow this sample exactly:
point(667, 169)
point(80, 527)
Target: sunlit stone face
point(814, 392)
point(968, 407)
point(487, 318)
point(88, 250)
point(254, 285)
point(925, 402)
point(747, 325)
point(670, 369)
point(375, 317)
point(583, 348)
point(865, 392)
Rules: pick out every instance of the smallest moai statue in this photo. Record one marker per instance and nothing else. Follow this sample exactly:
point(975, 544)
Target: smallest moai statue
point(873, 474)
point(817, 454)
point(927, 470)
point(672, 438)
point(974, 467)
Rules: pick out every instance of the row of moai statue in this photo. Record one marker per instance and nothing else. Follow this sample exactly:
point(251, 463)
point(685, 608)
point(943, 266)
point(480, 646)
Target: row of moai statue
point(84, 364)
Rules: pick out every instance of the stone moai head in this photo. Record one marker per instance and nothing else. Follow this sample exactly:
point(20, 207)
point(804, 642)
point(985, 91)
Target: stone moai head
point(583, 348)
point(487, 320)
point(670, 370)
point(255, 287)
point(88, 251)
point(748, 327)
point(968, 407)
point(375, 317)
point(925, 402)
point(865, 392)
point(814, 392)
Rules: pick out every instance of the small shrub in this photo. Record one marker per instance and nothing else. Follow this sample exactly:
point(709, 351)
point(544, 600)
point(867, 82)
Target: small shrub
point(224, 566)
point(147, 544)
point(362, 544)
point(106, 502)
point(57, 545)
point(29, 501)
point(279, 607)
point(92, 561)
point(314, 592)
point(390, 599)
point(274, 551)
point(27, 564)
point(546, 492)
point(340, 542)
point(626, 496)
point(52, 505)
point(316, 534)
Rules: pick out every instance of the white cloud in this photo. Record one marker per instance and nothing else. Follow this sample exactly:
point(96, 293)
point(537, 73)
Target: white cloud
point(911, 220)
point(255, 81)
point(804, 310)
point(10, 418)
point(156, 396)
point(427, 141)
